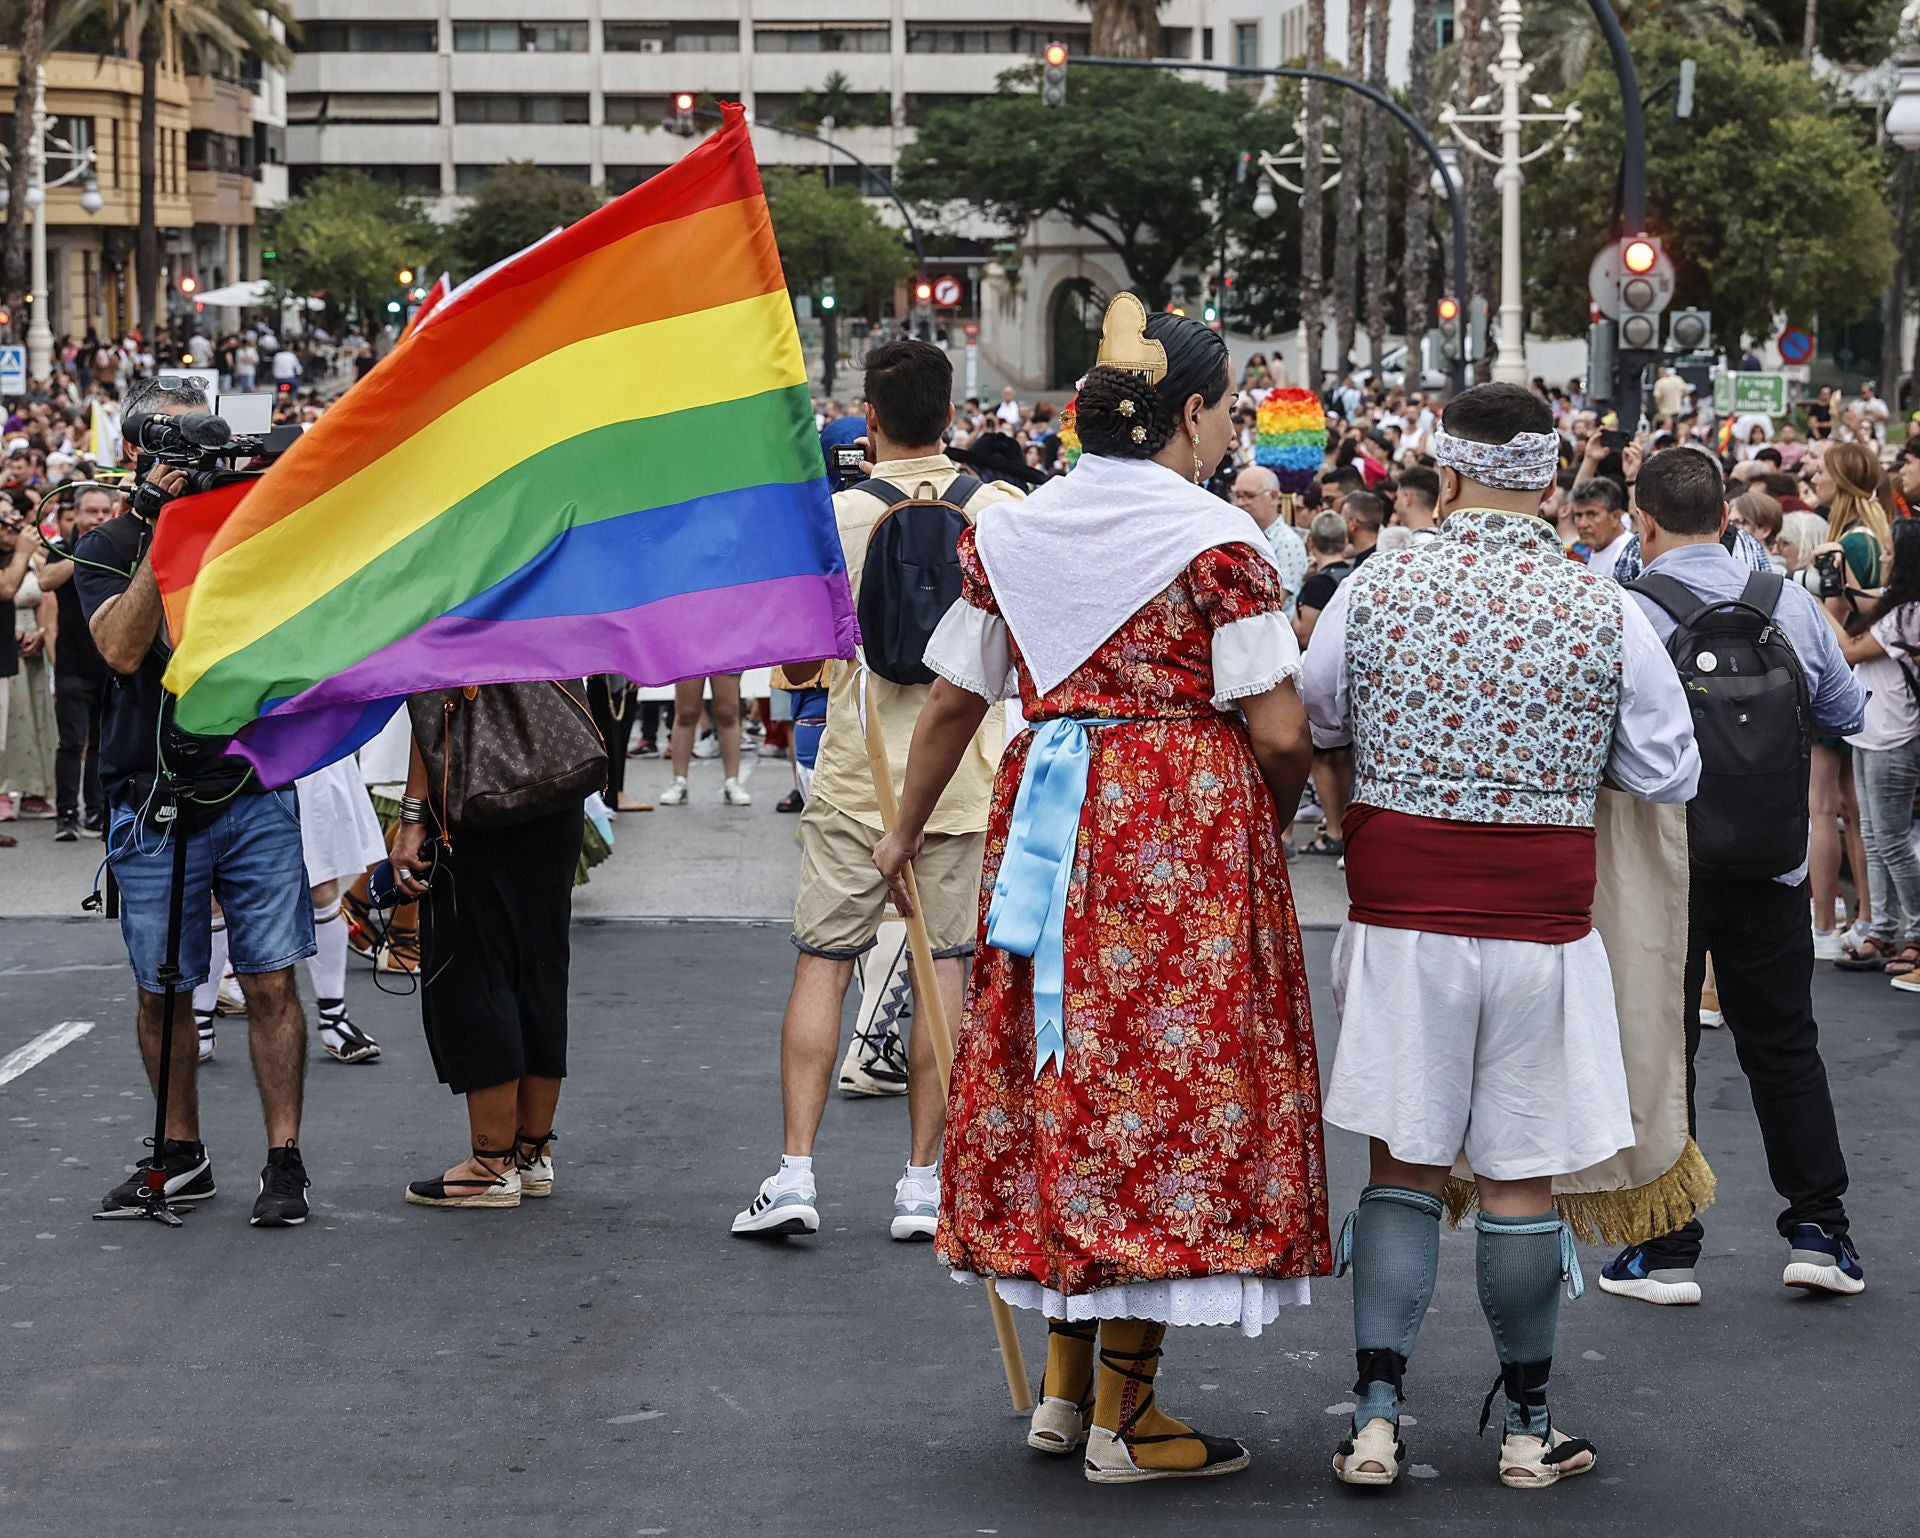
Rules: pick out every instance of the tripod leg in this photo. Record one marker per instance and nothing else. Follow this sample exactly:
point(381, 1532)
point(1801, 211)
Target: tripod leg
point(155, 1195)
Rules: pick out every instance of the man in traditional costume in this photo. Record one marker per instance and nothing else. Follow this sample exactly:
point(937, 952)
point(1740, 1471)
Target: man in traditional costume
point(1488, 685)
point(1133, 1134)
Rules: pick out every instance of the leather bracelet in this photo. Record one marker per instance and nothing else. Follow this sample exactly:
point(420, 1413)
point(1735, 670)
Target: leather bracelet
point(413, 809)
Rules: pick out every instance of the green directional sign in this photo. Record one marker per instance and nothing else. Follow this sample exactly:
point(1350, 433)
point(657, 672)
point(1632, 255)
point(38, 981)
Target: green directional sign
point(1739, 394)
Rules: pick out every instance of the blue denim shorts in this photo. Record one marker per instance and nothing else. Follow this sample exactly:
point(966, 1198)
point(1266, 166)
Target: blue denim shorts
point(250, 859)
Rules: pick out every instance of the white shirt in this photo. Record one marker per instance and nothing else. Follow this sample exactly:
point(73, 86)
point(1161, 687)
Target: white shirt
point(1605, 559)
point(1653, 755)
point(1892, 718)
point(286, 365)
point(1008, 412)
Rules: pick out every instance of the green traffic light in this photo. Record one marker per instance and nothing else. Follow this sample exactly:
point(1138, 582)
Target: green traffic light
point(393, 306)
point(827, 301)
point(269, 256)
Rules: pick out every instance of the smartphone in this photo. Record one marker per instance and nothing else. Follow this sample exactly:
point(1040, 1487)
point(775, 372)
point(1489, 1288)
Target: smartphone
point(1615, 438)
point(848, 458)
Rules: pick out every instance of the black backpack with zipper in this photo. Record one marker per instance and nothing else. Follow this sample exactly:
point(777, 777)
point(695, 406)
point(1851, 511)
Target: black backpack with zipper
point(912, 575)
point(1752, 718)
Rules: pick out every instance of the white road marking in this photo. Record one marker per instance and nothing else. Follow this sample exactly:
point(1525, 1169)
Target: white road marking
point(41, 1048)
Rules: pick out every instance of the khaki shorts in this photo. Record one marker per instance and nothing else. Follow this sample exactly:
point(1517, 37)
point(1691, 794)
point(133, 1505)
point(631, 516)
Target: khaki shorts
point(843, 898)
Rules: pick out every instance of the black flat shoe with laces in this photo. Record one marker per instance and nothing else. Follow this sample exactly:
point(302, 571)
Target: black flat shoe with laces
point(282, 1202)
point(501, 1190)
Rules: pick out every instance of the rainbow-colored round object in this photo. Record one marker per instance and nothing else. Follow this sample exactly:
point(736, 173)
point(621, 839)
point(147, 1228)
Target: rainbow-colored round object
point(1070, 433)
point(1290, 437)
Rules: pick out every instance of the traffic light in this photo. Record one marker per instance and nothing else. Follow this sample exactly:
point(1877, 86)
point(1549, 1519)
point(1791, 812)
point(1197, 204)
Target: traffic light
point(269, 255)
point(681, 122)
point(1689, 331)
point(1447, 313)
point(6, 316)
point(923, 292)
point(1646, 289)
point(1210, 312)
point(1053, 76)
point(828, 300)
point(404, 277)
point(393, 306)
point(188, 283)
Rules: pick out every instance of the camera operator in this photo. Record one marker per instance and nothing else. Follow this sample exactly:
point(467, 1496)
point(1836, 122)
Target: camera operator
point(243, 846)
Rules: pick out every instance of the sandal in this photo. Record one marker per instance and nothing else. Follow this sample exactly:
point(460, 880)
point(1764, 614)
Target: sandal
point(1529, 1462)
point(1376, 1442)
point(1325, 844)
point(1908, 960)
point(1109, 1456)
point(1870, 955)
point(1059, 1425)
point(501, 1191)
point(536, 1170)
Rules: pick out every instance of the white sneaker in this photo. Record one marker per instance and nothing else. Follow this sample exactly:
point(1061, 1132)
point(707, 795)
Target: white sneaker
point(784, 1206)
point(735, 794)
point(1828, 946)
point(675, 794)
point(916, 1207)
point(707, 746)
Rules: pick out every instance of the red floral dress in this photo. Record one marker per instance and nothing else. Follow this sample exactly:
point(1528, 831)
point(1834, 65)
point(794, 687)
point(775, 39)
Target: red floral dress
point(1183, 1140)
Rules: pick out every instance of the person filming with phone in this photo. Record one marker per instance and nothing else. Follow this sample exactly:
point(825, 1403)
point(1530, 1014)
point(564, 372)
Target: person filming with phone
point(243, 847)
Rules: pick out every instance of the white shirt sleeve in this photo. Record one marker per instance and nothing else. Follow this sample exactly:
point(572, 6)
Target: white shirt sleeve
point(1323, 675)
point(971, 649)
point(1654, 755)
point(1251, 656)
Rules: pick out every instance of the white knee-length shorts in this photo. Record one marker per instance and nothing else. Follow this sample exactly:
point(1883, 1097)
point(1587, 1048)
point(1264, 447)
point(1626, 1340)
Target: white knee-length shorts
point(1506, 1050)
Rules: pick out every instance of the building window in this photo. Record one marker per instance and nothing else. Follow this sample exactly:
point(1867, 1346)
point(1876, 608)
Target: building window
point(1206, 43)
point(1246, 44)
point(1176, 42)
point(506, 107)
point(625, 178)
point(636, 111)
point(920, 105)
point(210, 151)
point(325, 107)
point(519, 37)
point(467, 179)
point(865, 109)
point(1443, 24)
point(670, 36)
point(368, 37)
point(1006, 37)
point(810, 39)
point(269, 146)
point(408, 178)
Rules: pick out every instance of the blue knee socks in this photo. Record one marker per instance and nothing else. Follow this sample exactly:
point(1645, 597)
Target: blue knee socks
point(1392, 1242)
point(1521, 1263)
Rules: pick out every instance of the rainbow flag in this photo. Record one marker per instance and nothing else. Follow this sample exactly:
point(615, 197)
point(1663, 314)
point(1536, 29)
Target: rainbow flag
point(433, 299)
point(1290, 436)
point(1070, 433)
point(599, 457)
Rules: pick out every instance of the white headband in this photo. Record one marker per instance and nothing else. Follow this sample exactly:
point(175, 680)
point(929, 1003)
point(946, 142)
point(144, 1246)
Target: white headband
point(1527, 462)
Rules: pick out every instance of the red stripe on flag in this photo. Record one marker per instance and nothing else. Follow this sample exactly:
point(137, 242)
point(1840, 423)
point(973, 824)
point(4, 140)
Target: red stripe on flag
point(187, 527)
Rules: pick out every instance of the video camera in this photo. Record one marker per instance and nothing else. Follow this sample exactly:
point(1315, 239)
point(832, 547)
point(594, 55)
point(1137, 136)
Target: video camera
point(205, 448)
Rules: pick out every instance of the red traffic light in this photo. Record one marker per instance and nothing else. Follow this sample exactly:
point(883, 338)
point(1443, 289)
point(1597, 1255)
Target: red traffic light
point(1056, 54)
point(1639, 254)
point(923, 292)
point(189, 283)
point(683, 102)
point(1448, 309)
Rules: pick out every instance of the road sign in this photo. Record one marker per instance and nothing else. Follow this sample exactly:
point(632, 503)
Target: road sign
point(13, 371)
point(1739, 394)
point(1798, 373)
point(947, 293)
point(1796, 345)
point(972, 331)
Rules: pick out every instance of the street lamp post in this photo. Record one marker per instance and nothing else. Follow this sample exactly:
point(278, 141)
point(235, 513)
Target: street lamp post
point(1511, 70)
point(1903, 132)
point(81, 156)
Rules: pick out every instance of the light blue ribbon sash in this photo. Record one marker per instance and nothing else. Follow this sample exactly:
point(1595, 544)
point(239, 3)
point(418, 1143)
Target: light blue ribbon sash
point(1027, 914)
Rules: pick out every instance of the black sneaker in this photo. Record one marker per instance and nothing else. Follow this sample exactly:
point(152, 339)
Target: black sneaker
point(282, 1202)
point(189, 1178)
point(67, 832)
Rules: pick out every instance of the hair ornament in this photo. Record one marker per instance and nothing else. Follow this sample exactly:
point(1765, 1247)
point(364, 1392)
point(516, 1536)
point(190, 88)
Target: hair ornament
point(1139, 435)
point(1124, 343)
point(1125, 408)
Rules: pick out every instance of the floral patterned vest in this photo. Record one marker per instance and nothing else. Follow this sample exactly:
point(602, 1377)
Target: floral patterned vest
point(1485, 675)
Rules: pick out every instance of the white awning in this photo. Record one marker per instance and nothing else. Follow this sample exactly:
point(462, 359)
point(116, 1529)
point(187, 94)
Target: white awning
point(255, 295)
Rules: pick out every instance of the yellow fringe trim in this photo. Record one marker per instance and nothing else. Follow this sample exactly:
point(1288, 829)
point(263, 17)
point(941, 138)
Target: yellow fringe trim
point(1618, 1217)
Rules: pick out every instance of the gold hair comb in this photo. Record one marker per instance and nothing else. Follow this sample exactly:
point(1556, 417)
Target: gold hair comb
point(1124, 343)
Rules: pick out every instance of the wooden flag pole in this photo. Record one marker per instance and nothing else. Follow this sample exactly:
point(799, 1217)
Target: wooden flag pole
point(930, 1010)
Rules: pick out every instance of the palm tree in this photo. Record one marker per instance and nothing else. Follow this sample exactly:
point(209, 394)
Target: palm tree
point(1346, 208)
point(33, 36)
point(204, 32)
point(1125, 29)
point(1562, 42)
point(1313, 287)
point(1483, 218)
point(1376, 205)
point(1413, 264)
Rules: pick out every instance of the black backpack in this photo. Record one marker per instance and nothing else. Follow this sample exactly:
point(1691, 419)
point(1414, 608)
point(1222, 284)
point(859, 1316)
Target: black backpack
point(912, 575)
point(1753, 722)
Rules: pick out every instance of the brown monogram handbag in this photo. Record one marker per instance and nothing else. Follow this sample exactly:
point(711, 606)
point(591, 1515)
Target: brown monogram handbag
point(506, 753)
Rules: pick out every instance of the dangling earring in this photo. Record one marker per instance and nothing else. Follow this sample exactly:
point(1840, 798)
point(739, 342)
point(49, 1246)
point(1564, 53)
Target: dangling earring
point(1197, 477)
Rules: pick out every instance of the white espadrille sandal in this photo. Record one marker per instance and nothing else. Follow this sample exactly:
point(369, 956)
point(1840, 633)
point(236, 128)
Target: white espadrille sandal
point(1059, 1426)
point(1533, 1463)
point(1377, 1442)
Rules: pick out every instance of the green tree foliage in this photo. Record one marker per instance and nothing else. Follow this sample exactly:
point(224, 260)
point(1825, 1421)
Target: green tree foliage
point(516, 205)
point(345, 236)
point(837, 99)
point(1855, 32)
point(1126, 159)
point(823, 231)
point(1771, 199)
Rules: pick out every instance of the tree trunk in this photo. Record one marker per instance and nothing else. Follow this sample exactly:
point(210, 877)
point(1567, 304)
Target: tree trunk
point(13, 264)
point(146, 257)
point(1483, 197)
point(1346, 209)
point(1808, 32)
point(1895, 308)
point(1416, 231)
point(1126, 29)
point(1376, 216)
point(1312, 248)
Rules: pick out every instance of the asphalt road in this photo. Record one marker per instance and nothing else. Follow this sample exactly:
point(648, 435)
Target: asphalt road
point(612, 1362)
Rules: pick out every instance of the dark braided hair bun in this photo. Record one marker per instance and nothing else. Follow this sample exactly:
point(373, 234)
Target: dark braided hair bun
point(1119, 414)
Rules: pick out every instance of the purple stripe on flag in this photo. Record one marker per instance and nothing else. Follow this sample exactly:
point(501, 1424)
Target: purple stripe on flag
point(719, 630)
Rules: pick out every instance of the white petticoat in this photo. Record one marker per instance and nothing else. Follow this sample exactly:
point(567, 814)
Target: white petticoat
point(339, 834)
point(1251, 1302)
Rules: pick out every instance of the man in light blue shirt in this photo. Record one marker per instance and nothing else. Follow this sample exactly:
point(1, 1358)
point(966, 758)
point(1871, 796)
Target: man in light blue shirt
point(1256, 489)
point(1756, 927)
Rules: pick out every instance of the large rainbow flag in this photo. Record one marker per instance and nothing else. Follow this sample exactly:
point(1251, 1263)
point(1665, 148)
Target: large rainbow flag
point(599, 457)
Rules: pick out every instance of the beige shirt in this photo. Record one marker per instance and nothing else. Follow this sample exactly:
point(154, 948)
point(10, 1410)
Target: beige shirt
point(841, 777)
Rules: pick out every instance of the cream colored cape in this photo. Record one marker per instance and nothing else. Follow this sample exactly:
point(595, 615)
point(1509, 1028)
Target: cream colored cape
point(1640, 910)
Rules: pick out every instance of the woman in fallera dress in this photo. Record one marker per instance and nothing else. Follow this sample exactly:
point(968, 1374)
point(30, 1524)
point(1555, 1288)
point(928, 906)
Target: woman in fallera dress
point(1133, 1136)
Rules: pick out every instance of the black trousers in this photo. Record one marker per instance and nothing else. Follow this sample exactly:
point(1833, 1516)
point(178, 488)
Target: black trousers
point(77, 703)
point(612, 711)
point(1763, 962)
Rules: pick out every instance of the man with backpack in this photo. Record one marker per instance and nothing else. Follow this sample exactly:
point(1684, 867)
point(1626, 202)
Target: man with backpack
point(899, 531)
point(1762, 673)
